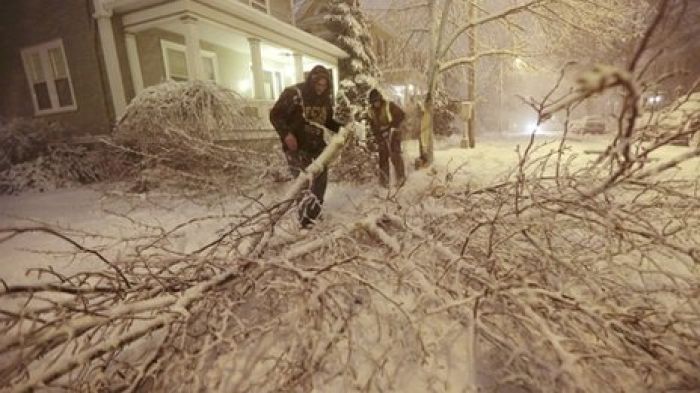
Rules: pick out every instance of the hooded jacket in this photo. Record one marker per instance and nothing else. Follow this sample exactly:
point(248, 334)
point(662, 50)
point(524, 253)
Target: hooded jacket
point(293, 113)
point(388, 115)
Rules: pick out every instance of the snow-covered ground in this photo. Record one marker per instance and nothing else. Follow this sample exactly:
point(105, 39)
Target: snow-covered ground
point(95, 211)
point(85, 212)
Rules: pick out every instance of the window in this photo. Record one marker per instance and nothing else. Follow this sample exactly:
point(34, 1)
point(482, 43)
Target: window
point(175, 59)
point(272, 83)
point(260, 5)
point(49, 79)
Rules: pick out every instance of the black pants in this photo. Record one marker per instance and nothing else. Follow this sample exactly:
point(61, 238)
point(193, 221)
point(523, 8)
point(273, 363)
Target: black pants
point(389, 146)
point(311, 200)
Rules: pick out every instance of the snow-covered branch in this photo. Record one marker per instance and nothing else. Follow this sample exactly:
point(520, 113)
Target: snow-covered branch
point(446, 65)
point(449, 42)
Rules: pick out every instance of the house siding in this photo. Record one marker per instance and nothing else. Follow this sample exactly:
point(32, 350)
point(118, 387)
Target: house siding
point(31, 22)
point(281, 9)
point(151, 55)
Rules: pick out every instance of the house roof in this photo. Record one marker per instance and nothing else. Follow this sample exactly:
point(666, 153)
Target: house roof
point(234, 15)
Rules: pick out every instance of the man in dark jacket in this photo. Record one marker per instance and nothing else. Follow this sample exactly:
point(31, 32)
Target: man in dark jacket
point(385, 117)
point(296, 116)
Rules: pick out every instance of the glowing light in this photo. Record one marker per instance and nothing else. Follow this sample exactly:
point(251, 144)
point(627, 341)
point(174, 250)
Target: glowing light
point(531, 128)
point(655, 99)
point(243, 85)
point(399, 90)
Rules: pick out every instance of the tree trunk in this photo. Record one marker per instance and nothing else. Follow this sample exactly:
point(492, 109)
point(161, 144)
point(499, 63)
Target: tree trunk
point(425, 141)
point(437, 29)
point(472, 76)
point(426, 134)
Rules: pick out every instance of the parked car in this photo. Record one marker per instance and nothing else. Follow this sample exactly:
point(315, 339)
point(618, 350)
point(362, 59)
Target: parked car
point(679, 120)
point(588, 125)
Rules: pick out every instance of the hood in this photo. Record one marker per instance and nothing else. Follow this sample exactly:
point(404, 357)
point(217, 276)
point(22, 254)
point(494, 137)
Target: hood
point(374, 94)
point(317, 72)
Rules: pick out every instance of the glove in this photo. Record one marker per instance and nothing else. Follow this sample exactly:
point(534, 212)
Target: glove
point(313, 130)
point(385, 132)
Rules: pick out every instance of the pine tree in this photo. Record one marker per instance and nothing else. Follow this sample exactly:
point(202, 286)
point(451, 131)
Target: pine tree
point(359, 72)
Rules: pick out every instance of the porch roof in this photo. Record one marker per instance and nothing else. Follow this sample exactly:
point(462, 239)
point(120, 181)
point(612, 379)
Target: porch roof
point(231, 15)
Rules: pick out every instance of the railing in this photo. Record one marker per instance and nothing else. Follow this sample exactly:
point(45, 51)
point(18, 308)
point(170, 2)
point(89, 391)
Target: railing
point(260, 109)
point(259, 129)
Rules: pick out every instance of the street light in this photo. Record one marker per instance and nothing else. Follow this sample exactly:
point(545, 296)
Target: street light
point(653, 100)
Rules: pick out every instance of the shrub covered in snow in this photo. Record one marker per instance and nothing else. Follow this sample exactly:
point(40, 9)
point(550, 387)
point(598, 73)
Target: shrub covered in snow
point(34, 156)
point(172, 129)
point(63, 165)
point(177, 117)
point(25, 139)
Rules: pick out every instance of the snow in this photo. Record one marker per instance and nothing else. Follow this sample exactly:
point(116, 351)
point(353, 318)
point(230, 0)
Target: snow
point(93, 211)
point(673, 117)
point(351, 31)
point(447, 341)
point(99, 217)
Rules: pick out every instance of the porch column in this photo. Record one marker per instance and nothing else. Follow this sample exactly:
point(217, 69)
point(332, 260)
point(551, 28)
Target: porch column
point(103, 15)
point(193, 50)
point(256, 56)
point(299, 67)
point(132, 53)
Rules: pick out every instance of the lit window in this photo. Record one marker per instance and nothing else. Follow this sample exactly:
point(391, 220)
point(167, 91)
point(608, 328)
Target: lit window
point(272, 83)
point(49, 79)
point(175, 59)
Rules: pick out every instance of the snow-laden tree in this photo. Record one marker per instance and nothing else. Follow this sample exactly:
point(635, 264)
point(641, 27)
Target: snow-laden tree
point(359, 72)
point(351, 33)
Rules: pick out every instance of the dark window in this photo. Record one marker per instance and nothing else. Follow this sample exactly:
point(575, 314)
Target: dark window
point(43, 100)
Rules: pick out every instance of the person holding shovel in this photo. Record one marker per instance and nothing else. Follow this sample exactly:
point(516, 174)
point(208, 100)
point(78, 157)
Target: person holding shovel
point(385, 117)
